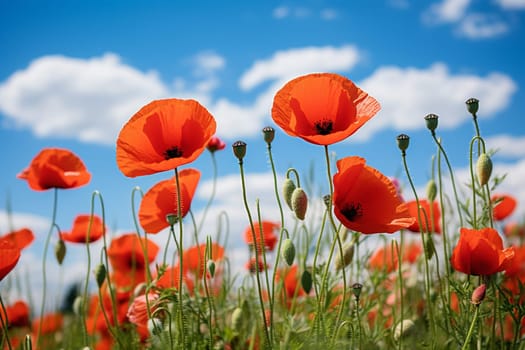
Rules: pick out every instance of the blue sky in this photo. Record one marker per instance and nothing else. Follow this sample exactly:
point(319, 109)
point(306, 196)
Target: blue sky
point(73, 72)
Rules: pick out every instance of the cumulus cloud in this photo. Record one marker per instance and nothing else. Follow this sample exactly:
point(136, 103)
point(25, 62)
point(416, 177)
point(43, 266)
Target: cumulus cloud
point(284, 65)
point(511, 4)
point(507, 145)
point(480, 26)
point(408, 94)
point(446, 11)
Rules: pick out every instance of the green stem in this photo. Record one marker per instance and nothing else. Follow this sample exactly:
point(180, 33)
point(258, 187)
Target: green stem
point(471, 329)
point(213, 190)
point(5, 324)
point(181, 251)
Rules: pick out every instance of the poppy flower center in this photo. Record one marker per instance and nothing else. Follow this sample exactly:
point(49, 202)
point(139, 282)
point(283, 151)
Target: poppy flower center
point(173, 152)
point(324, 127)
point(352, 212)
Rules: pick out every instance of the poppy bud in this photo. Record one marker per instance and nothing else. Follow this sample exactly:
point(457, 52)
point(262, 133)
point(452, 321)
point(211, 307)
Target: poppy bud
point(356, 289)
point(403, 141)
point(236, 321)
point(269, 134)
point(343, 233)
point(288, 188)
point(348, 254)
point(288, 251)
point(478, 294)
point(211, 267)
point(100, 274)
point(429, 246)
point(239, 149)
point(431, 190)
point(299, 203)
point(432, 121)
point(484, 168)
point(403, 328)
point(28, 345)
point(78, 305)
point(472, 105)
point(306, 281)
point(215, 144)
point(60, 251)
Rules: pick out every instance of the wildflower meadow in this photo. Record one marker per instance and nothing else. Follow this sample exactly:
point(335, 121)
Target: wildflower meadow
point(358, 267)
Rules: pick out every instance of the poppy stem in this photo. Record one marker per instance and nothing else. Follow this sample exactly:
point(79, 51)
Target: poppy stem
point(471, 329)
point(213, 190)
point(5, 324)
point(181, 250)
point(473, 181)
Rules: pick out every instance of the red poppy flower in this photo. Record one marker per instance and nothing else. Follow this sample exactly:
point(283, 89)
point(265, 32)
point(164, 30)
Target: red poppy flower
point(161, 200)
point(253, 267)
point(514, 229)
point(81, 229)
point(163, 135)
point(480, 252)
point(366, 200)
point(427, 221)
point(170, 279)
point(22, 238)
point(384, 259)
point(127, 252)
point(322, 108)
point(292, 281)
point(140, 309)
point(215, 144)
point(51, 323)
point(268, 234)
point(504, 207)
point(55, 168)
point(193, 258)
point(9, 256)
point(17, 314)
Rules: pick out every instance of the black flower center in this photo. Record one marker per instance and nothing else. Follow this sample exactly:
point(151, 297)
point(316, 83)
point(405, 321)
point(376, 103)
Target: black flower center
point(173, 152)
point(352, 212)
point(324, 127)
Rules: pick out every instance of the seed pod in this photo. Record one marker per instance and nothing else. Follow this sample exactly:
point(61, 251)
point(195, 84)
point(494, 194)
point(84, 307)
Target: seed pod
point(431, 190)
point(299, 203)
point(484, 169)
point(348, 254)
point(288, 188)
point(60, 251)
point(306, 281)
point(288, 251)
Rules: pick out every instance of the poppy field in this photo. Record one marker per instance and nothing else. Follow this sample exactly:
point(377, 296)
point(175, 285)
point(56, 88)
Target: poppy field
point(358, 268)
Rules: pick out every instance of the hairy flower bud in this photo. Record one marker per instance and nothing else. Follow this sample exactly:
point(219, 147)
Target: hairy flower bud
point(484, 168)
point(288, 251)
point(299, 203)
point(210, 265)
point(236, 320)
point(478, 294)
point(348, 255)
point(100, 274)
point(306, 281)
point(288, 188)
point(431, 190)
point(60, 251)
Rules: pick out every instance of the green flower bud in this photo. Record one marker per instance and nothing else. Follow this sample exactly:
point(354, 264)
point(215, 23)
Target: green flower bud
point(211, 267)
point(306, 281)
point(348, 255)
point(472, 105)
point(239, 149)
point(431, 190)
point(288, 188)
point(60, 251)
point(269, 134)
point(484, 169)
point(78, 305)
point(236, 320)
point(299, 203)
point(429, 246)
point(288, 251)
point(100, 274)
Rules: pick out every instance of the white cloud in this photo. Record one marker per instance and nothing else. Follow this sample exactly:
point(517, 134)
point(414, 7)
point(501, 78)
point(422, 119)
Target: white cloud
point(287, 64)
point(446, 11)
point(506, 145)
point(329, 14)
point(281, 12)
point(511, 4)
point(479, 26)
point(88, 99)
point(408, 94)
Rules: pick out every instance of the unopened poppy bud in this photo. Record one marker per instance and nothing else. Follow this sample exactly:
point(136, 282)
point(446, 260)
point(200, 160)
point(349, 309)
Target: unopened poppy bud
point(429, 246)
point(478, 294)
point(484, 168)
point(306, 281)
point(348, 255)
point(299, 203)
point(236, 321)
point(78, 305)
point(172, 219)
point(403, 141)
point(356, 289)
point(239, 149)
point(431, 190)
point(60, 251)
point(269, 134)
point(288, 251)
point(100, 274)
point(215, 144)
point(288, 188)
point(343, 233)
point(28, 344)
point(211, 267)
point(432, 121)
point(403, 328)
point(472, 105)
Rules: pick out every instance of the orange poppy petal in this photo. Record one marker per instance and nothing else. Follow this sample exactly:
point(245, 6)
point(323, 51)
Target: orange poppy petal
point(164, 135)
point(322, 108)
point(9, 256)
point(128, 251)
point(161, 200)
point(384, 212)
point(22, 238)
point(505, 207)
point(81, 229)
